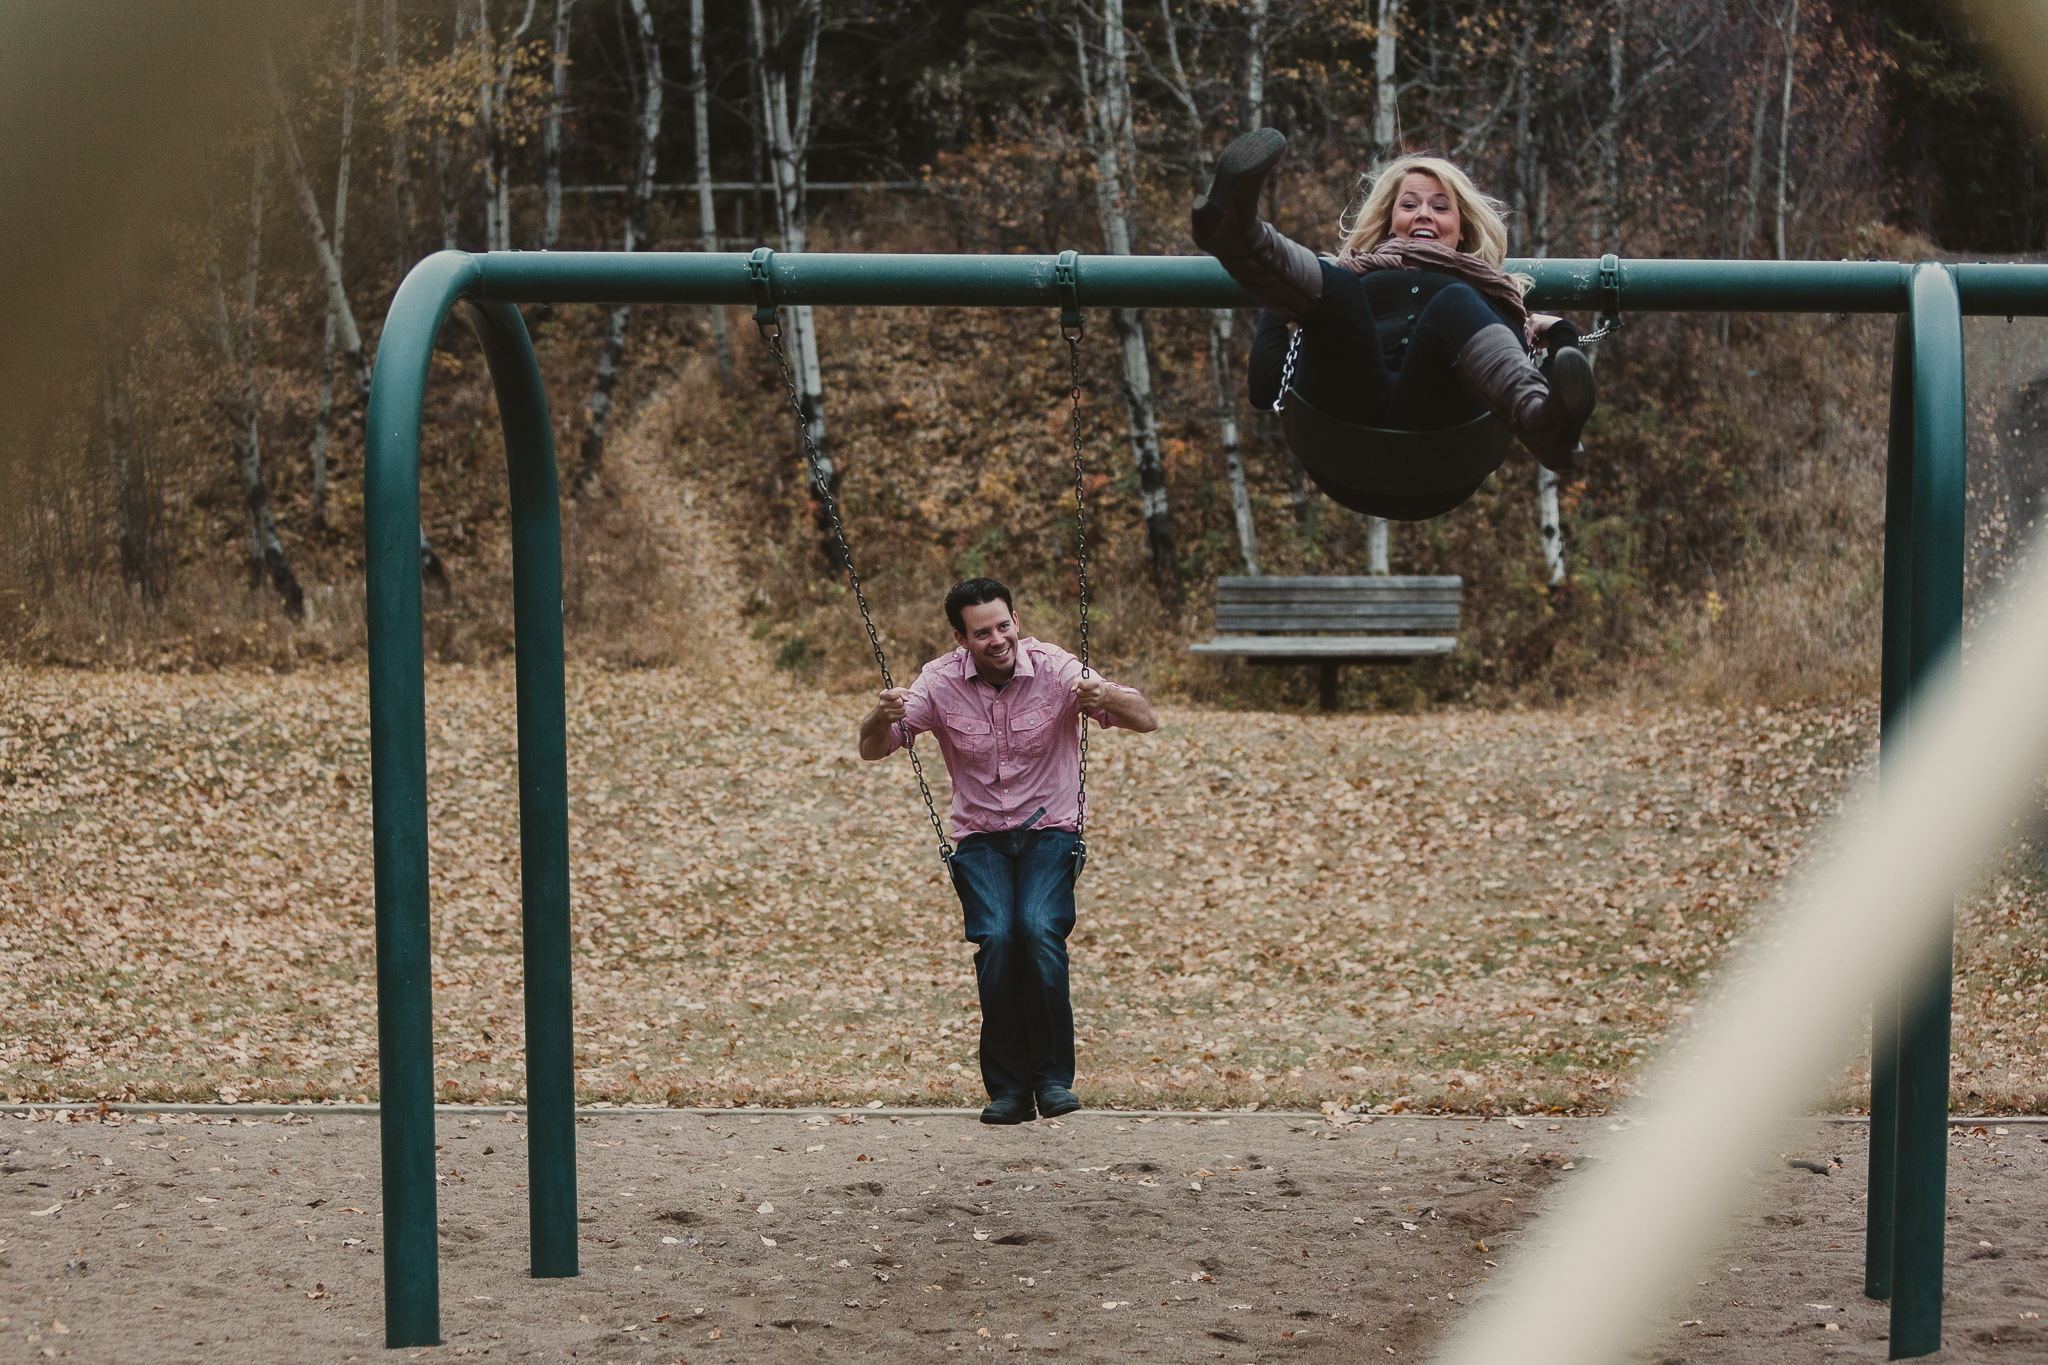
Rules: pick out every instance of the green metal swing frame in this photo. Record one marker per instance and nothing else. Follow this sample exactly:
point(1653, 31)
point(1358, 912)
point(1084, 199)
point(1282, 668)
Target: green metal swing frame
point(1923, 597)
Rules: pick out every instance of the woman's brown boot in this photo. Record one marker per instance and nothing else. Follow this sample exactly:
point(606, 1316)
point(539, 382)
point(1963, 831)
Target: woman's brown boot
point(1280, 274)
point(1546, 413)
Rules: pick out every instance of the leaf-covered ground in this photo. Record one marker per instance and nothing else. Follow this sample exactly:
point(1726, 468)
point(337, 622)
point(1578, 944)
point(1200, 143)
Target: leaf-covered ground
point(1468, 909)
point(1460, 909)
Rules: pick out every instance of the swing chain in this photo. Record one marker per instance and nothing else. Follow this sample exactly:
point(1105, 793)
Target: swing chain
point(1072, 331)
point(1287, 372)
point(771, 332)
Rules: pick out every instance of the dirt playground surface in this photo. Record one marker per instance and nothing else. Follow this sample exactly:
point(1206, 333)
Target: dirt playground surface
point(743, 1237)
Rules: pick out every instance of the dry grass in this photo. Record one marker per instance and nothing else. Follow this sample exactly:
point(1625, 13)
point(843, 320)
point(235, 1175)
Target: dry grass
point(1473, 909)
point(1469, 910)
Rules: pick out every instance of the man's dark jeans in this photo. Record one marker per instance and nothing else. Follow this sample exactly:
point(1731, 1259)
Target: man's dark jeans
point(1017, 889)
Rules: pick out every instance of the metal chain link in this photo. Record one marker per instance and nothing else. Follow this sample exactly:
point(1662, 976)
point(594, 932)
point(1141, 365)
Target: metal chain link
point(1073, 336)
point(1287, 372)
point(823, 485)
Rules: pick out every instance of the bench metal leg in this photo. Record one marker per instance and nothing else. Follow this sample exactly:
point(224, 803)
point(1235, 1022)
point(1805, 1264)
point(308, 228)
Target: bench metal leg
point(1329, 681)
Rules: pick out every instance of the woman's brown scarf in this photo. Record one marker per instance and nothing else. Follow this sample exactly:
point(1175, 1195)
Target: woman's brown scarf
point(1406, 253)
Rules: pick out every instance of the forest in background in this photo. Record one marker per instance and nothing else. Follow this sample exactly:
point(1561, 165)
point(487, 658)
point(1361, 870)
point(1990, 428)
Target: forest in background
point(197, 503)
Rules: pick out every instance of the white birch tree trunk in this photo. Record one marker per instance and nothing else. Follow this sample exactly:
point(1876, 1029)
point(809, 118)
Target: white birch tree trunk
point(444, 151)
point(787, 115)
point(401, 145)
point(1114, 144)
point(1617, 40)
point(497, 135)
point(1386, 129)
point(1221, 320)
point(346, 334)
point(1221, 324)
point(1255, 117)
point(1785, 120)
point(640, 192)
point(1257, 42)
point(1551, 524)
point(324, 415)
point(551, 135)
point(486, 122)
point(707, 209)
point(1549, 517)
point(1386, 124)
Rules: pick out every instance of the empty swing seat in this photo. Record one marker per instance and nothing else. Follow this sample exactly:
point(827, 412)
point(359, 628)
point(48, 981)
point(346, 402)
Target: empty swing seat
point(1399, 475)
point(1283, 620)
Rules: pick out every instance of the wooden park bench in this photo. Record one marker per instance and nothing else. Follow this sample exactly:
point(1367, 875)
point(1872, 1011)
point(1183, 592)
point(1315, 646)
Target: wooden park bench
point(1285, 620)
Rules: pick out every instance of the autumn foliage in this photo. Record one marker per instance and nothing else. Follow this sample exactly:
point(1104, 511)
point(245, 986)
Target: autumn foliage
point(1735, 465)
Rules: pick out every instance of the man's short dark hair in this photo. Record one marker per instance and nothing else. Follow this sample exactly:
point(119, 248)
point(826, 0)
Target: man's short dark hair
point(975, 592)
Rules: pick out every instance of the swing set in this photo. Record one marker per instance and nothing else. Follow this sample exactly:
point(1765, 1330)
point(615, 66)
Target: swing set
point(1923, 580)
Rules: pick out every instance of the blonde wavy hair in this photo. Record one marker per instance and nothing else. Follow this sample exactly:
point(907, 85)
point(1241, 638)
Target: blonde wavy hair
point(1485, 234)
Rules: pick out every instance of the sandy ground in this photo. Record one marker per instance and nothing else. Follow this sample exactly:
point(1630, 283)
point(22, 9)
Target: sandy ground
point(733, 1237)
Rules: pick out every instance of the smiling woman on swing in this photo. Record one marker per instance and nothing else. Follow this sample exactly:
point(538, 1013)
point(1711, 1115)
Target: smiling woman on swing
point(1413, 325)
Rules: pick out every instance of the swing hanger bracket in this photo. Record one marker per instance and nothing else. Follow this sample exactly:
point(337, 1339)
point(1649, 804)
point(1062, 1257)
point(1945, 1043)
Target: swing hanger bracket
point(1066, 279)
point(1608, 282)
point(761, 277)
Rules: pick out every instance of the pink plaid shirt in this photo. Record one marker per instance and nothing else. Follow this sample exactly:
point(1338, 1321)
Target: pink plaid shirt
point(1009, 751)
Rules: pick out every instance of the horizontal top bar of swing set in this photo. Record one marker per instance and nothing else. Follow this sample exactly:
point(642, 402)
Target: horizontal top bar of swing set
point(885, 280)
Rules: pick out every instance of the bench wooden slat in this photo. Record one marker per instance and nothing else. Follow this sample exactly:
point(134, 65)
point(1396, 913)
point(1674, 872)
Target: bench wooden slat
point(1258, 590)
point(1342, 583)
point(1352, 600)
point(1242, 621)
point(1391, 610)
point(1331, 647)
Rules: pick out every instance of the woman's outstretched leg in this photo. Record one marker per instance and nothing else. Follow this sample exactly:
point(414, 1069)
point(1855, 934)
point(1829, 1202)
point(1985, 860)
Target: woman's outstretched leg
point(1546, 405)
point(1281, 275)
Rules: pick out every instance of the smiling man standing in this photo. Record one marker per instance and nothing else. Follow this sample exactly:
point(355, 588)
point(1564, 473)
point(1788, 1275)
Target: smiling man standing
point(1008, 711)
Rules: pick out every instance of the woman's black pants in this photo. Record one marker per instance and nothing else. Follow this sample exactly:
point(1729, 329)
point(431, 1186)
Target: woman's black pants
point(1342, 370)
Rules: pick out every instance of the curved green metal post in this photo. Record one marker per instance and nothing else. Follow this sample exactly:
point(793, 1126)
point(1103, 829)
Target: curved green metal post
point(543, 786)
point(398, 786)
point(398, 795)
point(1895, 685)
point(1939, 479)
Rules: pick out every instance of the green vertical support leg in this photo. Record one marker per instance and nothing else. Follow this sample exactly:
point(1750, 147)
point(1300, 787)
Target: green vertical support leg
point(1939, 477)
point(1895, 673)
point(398, 784)
point(543, 786)
point(398, 797)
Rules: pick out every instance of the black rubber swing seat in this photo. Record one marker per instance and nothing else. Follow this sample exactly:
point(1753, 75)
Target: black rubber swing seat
point(1399, 475)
